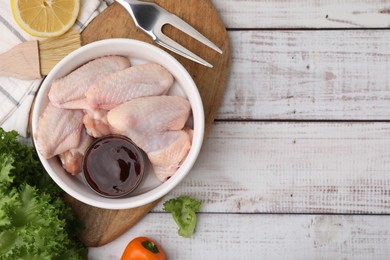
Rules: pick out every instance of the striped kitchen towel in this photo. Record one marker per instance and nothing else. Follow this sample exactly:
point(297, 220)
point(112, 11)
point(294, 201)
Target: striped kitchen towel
point(16, 96)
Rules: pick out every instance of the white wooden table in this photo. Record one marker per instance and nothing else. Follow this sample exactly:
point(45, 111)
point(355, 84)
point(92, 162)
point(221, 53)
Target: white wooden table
point(297, 164)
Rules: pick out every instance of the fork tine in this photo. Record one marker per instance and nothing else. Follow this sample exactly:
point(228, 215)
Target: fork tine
point(188, 29)
point(170, 44)
point(150, 18)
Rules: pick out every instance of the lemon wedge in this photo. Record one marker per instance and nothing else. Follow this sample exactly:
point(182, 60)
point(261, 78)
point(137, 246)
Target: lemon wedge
point(45, 18)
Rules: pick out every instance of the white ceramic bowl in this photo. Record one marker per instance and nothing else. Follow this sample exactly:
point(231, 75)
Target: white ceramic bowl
point(138, 52)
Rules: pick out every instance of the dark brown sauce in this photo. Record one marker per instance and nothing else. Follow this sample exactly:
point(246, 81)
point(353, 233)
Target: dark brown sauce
point(113, 166)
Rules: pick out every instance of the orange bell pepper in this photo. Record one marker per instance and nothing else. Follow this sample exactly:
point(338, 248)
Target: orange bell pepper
point(143, 248)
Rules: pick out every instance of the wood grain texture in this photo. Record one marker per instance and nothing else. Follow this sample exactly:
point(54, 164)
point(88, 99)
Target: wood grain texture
point(308, 75)
point(103, 226)
point(257, 236)
point(284, 167)
point(304, 14)
point(249, 167)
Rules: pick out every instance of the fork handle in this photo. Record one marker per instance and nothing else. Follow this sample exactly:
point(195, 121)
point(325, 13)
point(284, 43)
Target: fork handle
point(129, 2)
point(142, 14)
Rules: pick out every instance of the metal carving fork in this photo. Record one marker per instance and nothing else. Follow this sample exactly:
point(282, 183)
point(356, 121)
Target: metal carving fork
point(150, 18)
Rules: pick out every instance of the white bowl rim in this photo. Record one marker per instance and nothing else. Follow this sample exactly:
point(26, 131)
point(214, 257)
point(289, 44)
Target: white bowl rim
point(164, 188)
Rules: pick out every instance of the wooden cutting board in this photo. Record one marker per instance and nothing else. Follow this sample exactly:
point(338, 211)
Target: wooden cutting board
point(102, 225)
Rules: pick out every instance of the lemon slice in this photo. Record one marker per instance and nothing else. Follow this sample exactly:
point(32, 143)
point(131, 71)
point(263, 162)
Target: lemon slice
point(45, 18)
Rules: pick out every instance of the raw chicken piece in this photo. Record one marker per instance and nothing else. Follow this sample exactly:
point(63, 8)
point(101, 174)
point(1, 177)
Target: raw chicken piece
point(96, 122)
point(166, 151)
point(72, 160)
point(138, 81)
point(58, 130)
point(150, 115)
point(69, 91)
point(174, 147)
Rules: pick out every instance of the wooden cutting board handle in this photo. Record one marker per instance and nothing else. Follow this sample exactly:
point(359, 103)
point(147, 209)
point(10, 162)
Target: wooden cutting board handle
point(103, 226)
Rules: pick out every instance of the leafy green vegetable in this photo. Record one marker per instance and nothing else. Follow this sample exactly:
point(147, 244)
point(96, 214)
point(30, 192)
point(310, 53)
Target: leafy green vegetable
point(35, 223)
point(184, 210)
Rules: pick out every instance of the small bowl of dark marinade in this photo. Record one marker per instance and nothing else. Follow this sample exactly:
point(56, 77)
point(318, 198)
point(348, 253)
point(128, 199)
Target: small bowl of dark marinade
point(113, 166)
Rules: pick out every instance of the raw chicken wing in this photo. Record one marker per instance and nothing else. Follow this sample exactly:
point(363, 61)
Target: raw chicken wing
point(69, 91)
point(166, 151)
point(174, 147)
point(95, 121)
point(150, 115)
point(72, 160)
point(58, 130)
point(138, 81)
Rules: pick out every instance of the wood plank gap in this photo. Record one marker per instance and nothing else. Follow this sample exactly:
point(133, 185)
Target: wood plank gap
point(308, 29)
point(277, 213)
point(301, 121)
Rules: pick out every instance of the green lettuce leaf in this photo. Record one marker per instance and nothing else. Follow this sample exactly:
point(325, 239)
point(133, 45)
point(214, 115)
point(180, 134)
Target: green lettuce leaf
point(184, 210)
point(35, 223)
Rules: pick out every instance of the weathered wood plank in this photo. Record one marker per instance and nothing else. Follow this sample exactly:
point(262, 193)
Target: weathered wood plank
point(309, 75)
point(256, 236)
point(304, 14)
point(292, 168)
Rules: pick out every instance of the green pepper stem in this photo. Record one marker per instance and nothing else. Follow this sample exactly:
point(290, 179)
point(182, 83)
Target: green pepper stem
point(150, 246)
